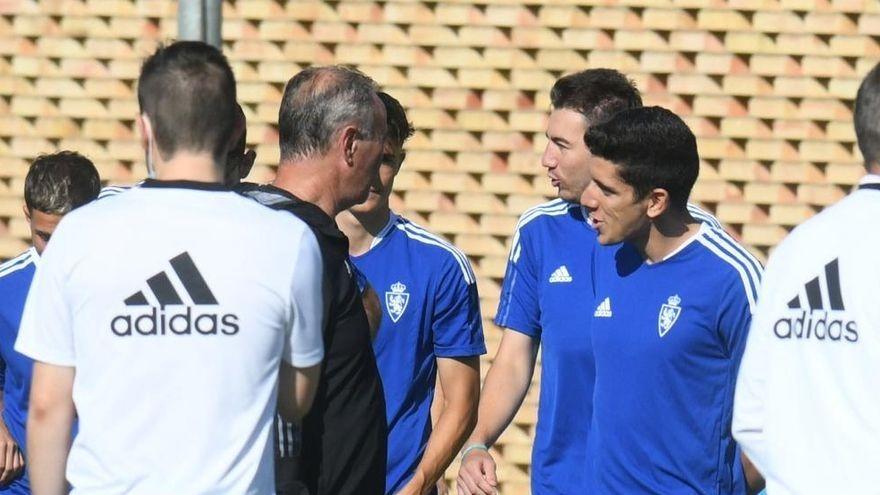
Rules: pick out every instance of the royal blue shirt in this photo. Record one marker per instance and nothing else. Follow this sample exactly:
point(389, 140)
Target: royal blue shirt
point(15, 280)
point(668, 338)
point(546, 295)
point(431, 310)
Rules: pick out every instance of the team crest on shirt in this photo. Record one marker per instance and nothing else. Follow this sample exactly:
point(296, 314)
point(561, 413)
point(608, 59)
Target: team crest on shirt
point(669, 314)
point(396, 300)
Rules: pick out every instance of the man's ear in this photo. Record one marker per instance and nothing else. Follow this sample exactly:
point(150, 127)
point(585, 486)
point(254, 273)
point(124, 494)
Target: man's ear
point(145, 129)
point(27, 212)
point(658, 202)
point(349, 137)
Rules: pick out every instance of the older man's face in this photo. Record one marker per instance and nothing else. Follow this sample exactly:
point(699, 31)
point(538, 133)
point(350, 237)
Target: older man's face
point(368, 155)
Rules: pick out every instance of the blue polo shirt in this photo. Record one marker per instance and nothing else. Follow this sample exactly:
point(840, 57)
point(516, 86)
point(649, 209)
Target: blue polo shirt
point(668, 338)
point(431, 310)
point(15, 280)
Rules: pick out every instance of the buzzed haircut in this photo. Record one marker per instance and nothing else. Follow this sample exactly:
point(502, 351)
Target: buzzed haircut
point(187, 90)
point(867, 117)
point(318, 102)
point(597, 94)
point(651, 148)
point(60, 182)
point(399, 128)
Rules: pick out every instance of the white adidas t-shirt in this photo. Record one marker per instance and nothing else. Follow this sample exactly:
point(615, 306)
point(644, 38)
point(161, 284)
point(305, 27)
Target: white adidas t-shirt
point(807, 410)
point(175, 302)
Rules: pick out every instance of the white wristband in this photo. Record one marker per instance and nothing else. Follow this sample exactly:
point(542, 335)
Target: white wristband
point(473, 446)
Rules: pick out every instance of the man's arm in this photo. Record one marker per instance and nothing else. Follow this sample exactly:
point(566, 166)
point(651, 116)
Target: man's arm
point(304, 347)
point(505, 388)
point(297, 387)
point(373, 308)
point(11, 461)
point(460, 383)
point(50, 419)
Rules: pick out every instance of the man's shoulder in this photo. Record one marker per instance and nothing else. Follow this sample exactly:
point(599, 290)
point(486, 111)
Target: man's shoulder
point(18, 268)
point(432, 249)
point(727, 261)
point(282, 200)
point(557, 211)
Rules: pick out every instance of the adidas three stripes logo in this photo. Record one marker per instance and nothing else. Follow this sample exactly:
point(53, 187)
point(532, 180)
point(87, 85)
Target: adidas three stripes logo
point(164, 290)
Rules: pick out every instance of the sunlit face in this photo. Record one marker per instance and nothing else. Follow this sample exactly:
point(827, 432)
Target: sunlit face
point(368, 156)
point(381, 189)
point(42, 226)
point(565, 156)
point(615, 212)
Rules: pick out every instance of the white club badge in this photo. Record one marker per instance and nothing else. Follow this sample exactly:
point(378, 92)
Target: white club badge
point(396, 300)
point(669, 314)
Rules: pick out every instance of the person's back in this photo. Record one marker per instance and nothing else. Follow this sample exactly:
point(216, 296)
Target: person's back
point(806, 410)
point(174, 319)
point(181, 340)
point(820, 333)
point(348, 414)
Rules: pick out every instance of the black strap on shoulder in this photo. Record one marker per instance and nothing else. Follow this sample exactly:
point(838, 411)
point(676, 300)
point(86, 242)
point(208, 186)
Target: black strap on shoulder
point(873, 186)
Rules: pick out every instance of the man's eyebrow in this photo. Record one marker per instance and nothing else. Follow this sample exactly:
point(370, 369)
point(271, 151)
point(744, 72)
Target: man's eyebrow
point(556, 139)
point(603, 186)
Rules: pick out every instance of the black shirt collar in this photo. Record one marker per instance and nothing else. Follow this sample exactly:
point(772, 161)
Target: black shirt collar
point(185, 184)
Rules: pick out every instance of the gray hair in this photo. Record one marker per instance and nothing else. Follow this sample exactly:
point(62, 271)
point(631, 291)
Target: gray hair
point(318, 102)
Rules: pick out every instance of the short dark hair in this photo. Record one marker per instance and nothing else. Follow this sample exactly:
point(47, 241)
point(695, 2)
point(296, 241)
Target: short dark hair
point(399, 128)
point(651, 147)
point(318, 102)
point(597, 94)
point(187, 89)
point(60, 182)
point(867, 117)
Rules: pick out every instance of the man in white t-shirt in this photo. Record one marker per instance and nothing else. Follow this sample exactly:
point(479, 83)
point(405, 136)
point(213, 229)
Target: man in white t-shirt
point(806, 409)
point(163, 316)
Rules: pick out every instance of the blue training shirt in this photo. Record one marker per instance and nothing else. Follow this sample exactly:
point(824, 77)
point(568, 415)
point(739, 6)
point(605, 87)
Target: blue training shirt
point(431, 310)
point(668, 338)
point(15, 280)
point(546, 295)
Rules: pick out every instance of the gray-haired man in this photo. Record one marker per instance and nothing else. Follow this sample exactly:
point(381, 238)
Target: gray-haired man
point(332, 132)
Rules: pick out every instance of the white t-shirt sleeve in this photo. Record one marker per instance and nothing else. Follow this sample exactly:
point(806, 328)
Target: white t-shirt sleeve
point(749, 401)
point(304, 345)
point(46, 331)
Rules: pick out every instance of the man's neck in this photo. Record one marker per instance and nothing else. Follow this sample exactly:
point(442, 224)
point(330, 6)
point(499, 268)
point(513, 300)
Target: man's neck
point(308, 180)
point(665, 235)
point(198, 167)
point(363, 228)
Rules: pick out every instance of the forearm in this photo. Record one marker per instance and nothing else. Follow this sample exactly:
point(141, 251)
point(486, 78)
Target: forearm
point(504, 389)
point(48, 442)
point(452, 427)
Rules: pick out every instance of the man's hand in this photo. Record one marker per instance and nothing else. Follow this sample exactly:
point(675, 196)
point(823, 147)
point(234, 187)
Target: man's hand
point(476, 476)
point(11, 460)
point(442, 487)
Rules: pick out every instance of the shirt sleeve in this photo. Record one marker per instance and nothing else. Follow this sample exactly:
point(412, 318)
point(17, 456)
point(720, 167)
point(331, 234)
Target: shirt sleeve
point(46, 330)
point(518, 307)
point(457, 326)
point(749, 400)
point(304, 346)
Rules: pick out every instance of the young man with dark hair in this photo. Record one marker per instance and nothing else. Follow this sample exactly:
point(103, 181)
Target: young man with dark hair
point(806, 409)
point(431, 326)
point(176, 362)
point(332, 127)
point(673, 302)
point(543, 302)
point(55, 185)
